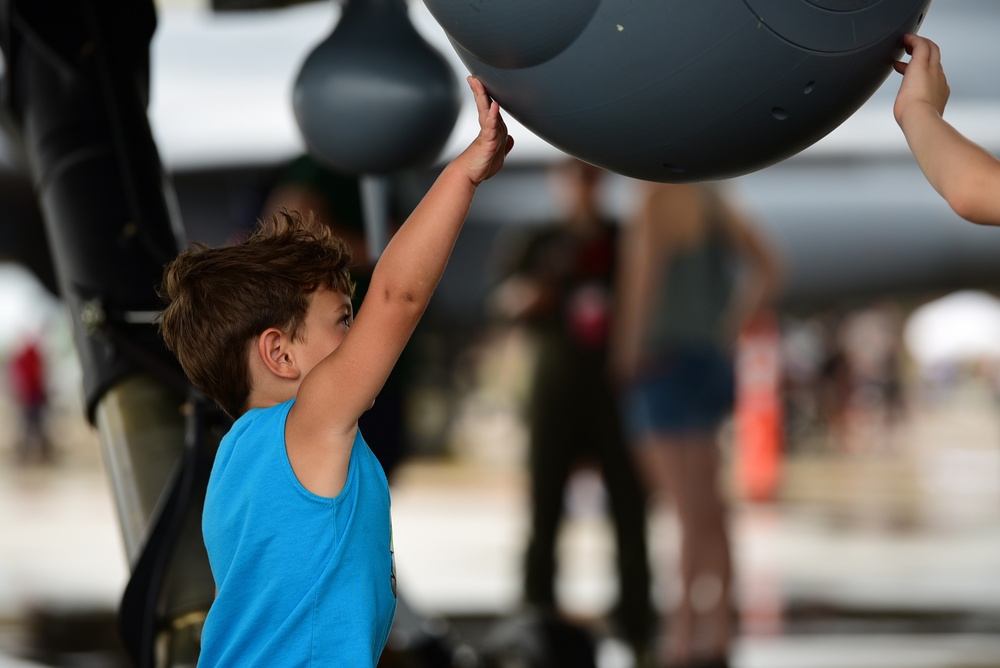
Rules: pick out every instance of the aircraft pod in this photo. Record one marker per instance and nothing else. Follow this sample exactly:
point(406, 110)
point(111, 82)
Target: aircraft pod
point(374, 97)
point(680, 90)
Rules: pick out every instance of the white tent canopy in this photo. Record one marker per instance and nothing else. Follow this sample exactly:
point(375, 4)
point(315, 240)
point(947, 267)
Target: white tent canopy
point(962, 326)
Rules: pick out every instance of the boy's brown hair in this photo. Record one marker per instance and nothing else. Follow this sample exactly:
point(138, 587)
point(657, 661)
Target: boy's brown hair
point(218, 300)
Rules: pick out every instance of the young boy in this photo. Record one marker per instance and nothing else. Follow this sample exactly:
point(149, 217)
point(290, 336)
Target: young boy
point(966, 175)
point(296, 518)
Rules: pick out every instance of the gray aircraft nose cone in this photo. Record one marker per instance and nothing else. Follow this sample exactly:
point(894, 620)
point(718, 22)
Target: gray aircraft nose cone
point(680, 90)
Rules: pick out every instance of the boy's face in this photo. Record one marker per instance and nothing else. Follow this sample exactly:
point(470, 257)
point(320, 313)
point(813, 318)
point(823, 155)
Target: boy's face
point(327, 322)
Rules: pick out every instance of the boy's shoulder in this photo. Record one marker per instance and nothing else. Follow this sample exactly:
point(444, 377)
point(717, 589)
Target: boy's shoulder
point(256, 424)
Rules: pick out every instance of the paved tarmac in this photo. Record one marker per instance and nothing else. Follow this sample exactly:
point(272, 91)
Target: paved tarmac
point(884, 557)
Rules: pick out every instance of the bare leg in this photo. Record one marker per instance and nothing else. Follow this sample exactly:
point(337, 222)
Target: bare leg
point(706, 561)
point(654, 464)
point(685, 470)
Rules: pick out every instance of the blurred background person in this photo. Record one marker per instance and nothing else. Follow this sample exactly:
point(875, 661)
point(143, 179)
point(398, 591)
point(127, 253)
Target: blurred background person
point(559, 282)
point(682, 300)
point(30, 391)
point(870, 344)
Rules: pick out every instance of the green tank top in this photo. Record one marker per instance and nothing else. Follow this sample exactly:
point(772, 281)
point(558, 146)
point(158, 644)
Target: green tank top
point(694, 289)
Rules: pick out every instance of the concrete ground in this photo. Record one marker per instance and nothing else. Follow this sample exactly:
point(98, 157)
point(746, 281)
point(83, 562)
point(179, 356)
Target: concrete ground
point(884, 556)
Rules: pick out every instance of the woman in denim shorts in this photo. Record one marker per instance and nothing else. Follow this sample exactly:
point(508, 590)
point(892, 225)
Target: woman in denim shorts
point(692, 271)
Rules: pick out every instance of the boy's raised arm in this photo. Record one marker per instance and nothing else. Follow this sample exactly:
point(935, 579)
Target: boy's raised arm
point(340, 388)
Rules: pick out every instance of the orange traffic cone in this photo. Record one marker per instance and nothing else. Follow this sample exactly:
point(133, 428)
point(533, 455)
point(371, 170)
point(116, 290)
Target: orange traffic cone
point(758, 414)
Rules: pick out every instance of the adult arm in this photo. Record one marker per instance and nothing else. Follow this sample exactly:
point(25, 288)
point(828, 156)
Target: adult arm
point(963, 173)
point(762, 271)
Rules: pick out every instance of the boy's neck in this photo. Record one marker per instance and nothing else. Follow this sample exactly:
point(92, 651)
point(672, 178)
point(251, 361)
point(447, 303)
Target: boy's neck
point(267, 390)
point(268, 397)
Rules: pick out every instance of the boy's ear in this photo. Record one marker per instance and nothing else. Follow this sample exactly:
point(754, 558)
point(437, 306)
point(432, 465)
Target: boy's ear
point(276, 354)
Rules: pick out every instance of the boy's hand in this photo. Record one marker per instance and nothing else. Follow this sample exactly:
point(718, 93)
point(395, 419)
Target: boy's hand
point(485, 156)
point(924, 81)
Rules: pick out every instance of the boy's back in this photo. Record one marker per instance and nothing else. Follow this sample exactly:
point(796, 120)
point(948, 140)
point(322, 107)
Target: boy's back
point(303, 579)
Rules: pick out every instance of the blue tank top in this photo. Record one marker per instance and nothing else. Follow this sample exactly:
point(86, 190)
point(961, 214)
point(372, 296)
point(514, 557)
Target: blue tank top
point(303, 580)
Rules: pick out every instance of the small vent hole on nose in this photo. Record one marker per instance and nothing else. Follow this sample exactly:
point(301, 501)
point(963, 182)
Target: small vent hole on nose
point(808, 88)
point(779, 113)
point(675, 169)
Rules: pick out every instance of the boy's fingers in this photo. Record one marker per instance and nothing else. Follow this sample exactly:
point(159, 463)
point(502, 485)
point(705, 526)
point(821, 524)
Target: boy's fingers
point(492, 125)
point(490, 118)
point(483, 100)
